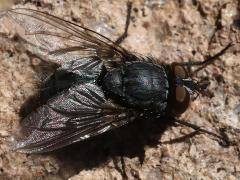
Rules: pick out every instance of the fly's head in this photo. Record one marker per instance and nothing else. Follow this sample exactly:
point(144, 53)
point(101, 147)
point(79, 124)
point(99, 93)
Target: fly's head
point(185, 88)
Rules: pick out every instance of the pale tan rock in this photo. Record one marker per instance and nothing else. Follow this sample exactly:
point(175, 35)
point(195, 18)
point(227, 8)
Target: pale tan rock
point(168, 30)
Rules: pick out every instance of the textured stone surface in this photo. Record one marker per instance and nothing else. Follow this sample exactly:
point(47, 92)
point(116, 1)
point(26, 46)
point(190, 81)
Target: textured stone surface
point(168, 30)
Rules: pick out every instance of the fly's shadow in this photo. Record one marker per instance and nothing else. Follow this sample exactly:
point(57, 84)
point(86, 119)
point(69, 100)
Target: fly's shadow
point(127, 141)
point(42, 69)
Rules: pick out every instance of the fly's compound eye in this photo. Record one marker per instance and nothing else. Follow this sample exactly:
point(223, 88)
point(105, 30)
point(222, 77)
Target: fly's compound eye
point(181, 100)
point(180, 94)
point(180, 71)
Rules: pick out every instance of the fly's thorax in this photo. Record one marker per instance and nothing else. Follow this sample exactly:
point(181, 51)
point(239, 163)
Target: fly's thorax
point(140, 85)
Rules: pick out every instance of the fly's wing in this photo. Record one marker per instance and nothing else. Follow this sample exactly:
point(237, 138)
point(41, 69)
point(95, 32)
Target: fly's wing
point(59, 41)
point(75, 115)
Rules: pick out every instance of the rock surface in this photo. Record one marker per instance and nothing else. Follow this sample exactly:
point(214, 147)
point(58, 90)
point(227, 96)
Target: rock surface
point(171, 31)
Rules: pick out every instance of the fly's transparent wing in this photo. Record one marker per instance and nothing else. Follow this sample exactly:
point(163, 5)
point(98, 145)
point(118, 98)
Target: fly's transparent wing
point(60, 41)
point(75, 115)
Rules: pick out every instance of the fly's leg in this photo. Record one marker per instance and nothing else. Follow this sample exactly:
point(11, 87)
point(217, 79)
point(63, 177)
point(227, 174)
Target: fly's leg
point(124, 174)
point(120, 149)
point(218, 25)
point(203, 64)
point(121, 169)
point(180, 139)
point(224, 141)
point(125, 33)
point(211, 59)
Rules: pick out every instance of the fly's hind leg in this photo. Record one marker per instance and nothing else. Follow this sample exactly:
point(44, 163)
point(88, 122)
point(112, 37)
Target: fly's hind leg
point(181, 138)
point(125, 33)
point(224, 141)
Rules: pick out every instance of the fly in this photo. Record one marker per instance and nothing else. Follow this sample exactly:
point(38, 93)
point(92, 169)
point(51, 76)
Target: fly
point(99, 85)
